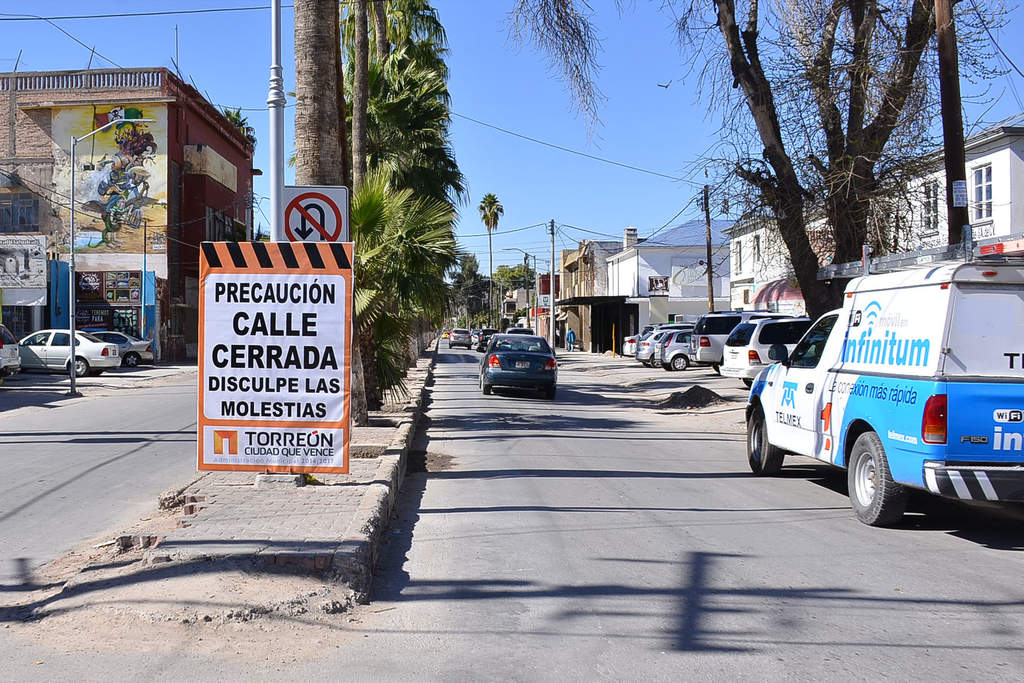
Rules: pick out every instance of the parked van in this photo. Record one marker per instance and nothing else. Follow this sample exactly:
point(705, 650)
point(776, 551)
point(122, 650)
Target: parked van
point(916, 382)
point(712, 329)
point(746, 348)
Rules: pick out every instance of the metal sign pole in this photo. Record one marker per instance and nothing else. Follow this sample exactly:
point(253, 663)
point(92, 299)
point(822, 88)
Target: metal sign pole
point(275, 103)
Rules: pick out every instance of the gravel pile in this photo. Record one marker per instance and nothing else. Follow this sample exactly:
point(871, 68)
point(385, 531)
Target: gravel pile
point(694, 397)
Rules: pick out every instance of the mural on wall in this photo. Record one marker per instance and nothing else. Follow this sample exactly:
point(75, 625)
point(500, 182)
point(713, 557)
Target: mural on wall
point(121, 183)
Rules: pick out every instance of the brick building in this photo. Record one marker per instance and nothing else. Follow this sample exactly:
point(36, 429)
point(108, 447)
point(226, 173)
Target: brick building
point(146, 195)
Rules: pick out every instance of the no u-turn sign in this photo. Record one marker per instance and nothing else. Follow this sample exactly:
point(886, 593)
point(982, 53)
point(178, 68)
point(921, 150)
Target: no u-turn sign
point(316, 214)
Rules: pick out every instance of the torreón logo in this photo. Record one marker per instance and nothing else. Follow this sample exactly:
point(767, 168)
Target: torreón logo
point(874, 347)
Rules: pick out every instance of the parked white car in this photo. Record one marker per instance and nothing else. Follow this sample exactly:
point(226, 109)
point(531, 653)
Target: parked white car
point(10, 355)
point(51, 350)
point(746, 349)
point(133, 350)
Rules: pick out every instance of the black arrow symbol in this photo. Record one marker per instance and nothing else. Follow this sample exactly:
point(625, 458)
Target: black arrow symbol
point(304, 230)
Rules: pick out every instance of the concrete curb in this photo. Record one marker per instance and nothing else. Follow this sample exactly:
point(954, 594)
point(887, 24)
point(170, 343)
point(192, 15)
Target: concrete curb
point(356, 555)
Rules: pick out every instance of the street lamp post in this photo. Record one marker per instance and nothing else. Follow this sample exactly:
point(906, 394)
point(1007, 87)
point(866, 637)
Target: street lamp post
point(71, 243)
point(527, 263)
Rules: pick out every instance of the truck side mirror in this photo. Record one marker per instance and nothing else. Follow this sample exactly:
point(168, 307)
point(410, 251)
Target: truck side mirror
point(778, 352)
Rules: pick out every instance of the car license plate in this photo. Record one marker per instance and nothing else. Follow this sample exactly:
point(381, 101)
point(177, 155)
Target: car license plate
point(522, 365)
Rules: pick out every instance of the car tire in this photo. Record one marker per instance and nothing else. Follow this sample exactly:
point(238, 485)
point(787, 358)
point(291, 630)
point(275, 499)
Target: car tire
point(550, 393)
point(680, 362)
point(485, 388)
point(717, 367)
point(747, 382)
point(81, 367)
point(131, 360)
point(764, 459)
point(877, 500)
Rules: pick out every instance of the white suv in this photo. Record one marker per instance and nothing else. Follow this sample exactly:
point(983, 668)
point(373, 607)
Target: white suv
point(746, 349)
point(712, 329)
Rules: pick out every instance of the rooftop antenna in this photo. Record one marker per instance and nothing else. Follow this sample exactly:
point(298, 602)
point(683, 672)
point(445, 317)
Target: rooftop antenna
point(17, 61)
point(176, 48)
point(91, 55)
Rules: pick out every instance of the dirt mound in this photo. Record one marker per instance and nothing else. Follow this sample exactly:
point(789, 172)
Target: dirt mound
point(694, 397)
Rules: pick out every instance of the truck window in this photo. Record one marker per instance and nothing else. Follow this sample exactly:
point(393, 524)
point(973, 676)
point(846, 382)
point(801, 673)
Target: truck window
point(808, 352)
point(984, 330)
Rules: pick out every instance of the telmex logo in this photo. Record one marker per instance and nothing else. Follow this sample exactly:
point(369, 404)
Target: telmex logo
point(222, 436)
point(889, 349)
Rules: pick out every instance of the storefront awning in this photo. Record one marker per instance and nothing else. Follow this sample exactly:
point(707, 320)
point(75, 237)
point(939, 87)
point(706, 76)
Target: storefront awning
point(776, 291)
point(590, 300)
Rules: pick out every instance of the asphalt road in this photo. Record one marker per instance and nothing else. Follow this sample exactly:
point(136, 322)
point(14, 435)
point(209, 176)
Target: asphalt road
point(596, 538)
point(75, 468)
point(599, 538)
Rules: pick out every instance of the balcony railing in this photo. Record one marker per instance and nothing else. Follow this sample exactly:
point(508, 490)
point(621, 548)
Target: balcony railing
point(95, 79)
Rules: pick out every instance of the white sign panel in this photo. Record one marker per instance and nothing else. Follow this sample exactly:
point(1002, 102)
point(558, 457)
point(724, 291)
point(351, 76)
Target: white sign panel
point(316, 213)
point(275, 356)
point(544, 300)
point(23, 261)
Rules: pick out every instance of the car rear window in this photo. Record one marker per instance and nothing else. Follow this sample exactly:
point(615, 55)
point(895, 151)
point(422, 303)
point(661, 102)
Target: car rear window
point(488, 330)
point(717, 324)
point(460, 331)
point(741, 335)
point(787, 332)
point(535, 345)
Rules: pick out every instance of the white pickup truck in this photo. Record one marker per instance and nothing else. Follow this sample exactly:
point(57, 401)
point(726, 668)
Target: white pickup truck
point(917, 381)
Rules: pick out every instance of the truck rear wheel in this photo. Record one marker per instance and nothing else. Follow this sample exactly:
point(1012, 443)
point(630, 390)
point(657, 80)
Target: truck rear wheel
point(876, 498)
point(764, 458)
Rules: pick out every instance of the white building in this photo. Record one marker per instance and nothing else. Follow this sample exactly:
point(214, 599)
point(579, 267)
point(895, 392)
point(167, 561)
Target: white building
point(665, 275)
point(761, 275)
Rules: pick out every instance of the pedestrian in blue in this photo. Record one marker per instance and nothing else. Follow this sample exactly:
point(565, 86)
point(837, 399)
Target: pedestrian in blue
point(570, 340)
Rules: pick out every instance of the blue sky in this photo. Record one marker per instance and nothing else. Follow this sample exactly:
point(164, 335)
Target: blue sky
point(493, 80)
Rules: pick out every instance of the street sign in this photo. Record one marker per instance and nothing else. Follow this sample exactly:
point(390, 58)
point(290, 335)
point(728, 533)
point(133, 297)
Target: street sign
point(959, 193)
point(316, 213)
point(543, 300)
point(275, 336)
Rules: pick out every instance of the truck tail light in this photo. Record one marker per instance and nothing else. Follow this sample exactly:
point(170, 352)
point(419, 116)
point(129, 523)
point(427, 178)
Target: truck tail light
point(753, 358)
point(551, 364)
point(933, 423)
point(705, 342)
point(105, 351)
point(493, 362)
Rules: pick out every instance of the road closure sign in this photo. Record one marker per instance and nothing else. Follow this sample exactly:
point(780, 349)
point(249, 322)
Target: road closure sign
point(275, 336)
point(316, 213)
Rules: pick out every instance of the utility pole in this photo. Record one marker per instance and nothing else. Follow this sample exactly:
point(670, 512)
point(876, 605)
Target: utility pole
point(551, 286)
point(275, 104)
point(707, 236)
point(952, 123)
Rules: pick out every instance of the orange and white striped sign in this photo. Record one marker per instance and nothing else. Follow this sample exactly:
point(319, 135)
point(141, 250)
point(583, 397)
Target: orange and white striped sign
point(275, 338)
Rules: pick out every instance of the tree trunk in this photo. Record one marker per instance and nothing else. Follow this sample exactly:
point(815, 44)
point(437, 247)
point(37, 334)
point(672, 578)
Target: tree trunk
point(359, 95)
point(343, 143)
point(320, 124)
point(380, 30)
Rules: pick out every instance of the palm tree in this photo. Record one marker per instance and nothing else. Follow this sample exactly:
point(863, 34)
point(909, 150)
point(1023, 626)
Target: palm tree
point(319, 129)
point(241, 122)
point(360, 92)
point(406, 247)
point(491, 211)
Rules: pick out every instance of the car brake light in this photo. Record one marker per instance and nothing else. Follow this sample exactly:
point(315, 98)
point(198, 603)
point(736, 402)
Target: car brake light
point(933, 423)
point(753, 357)
point(551, 364)
point(704, 341)
point(105, 351)
point(493, 362)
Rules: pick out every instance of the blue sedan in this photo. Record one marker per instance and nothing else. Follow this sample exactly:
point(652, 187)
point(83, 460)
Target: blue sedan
point(516, 360)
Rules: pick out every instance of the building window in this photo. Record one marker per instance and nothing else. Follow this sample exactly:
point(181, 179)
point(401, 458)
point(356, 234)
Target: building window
point(931, 206)
point(218, 227)
point(19, 213)
point(738, 257)
point(983, 192)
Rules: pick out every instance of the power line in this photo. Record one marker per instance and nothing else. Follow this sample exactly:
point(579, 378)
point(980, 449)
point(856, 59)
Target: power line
point(504, 232)
point(125, 15)
point(91, 48)
point(575, 151)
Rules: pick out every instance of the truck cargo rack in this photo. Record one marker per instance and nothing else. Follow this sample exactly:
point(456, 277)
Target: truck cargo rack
point(1005, 249)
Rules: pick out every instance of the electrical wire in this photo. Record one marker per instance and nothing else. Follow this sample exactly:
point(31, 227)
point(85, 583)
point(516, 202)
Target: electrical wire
point(504, 232)
point(575, 151)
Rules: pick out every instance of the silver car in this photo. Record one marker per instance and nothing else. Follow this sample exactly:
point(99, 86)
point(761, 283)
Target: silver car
point(133, 350)
point(51, 350)
point(675, 350)
point(647, 349)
